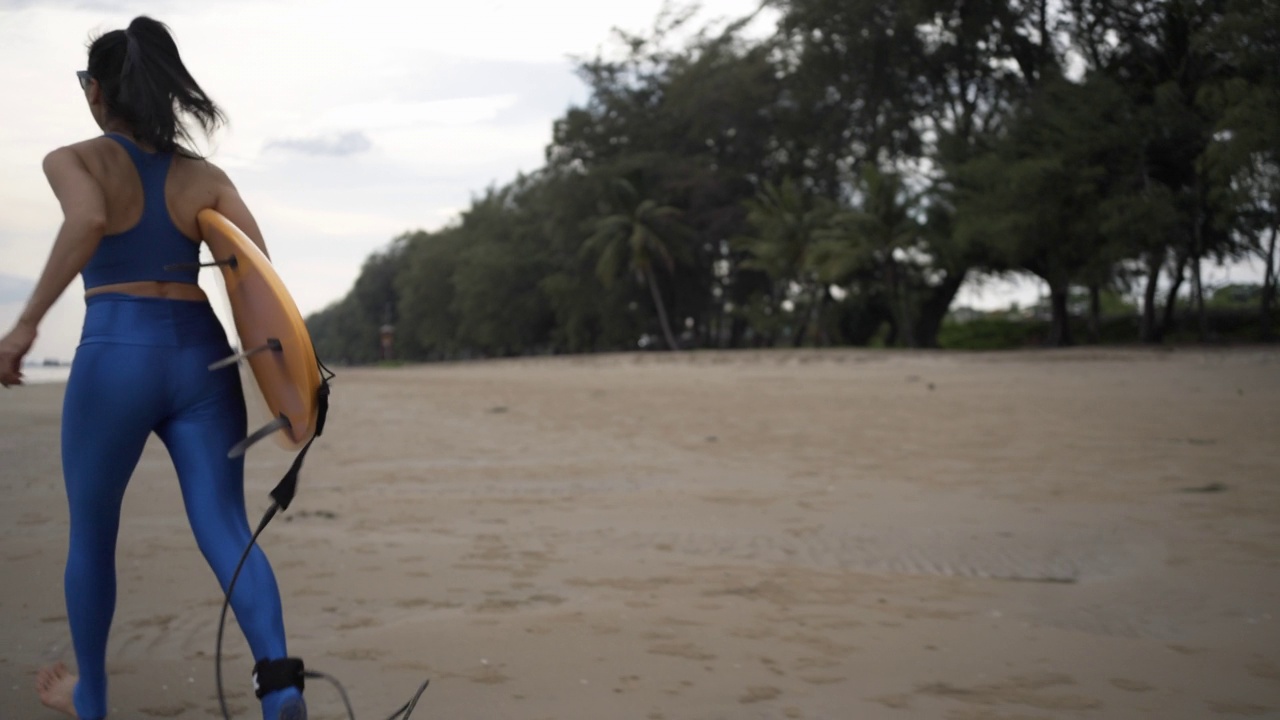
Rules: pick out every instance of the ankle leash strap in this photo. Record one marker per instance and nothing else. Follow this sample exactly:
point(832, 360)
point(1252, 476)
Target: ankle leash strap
point(272, 675)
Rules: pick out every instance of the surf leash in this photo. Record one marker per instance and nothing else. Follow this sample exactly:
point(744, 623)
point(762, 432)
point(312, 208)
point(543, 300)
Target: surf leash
point(281, 497)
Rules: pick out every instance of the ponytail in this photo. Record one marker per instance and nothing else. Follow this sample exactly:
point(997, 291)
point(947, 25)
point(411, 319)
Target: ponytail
point(146, 86)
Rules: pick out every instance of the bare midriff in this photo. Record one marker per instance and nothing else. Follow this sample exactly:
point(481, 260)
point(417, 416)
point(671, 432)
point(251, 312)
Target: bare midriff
point(153, 289)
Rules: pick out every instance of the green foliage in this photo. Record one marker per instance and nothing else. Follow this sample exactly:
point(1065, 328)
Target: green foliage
point(1235, 297)
point(427, 326)
point(784, 223)
point(341, 334)
point(992, 334)
point(639, 238)
point(837, 182)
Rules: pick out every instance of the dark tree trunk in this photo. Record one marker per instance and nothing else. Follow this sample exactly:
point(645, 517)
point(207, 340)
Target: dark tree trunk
point(737, 328)
point(1197, 259)
point(652, 282)
point(902, 335)
point(1060, 322)
point(862, 323)
point(1197, 289)
point(815, 319)
point(1095, 313)
point(1149, 332)
point(767, 340)
point(1171, 302)
point(811, 317)
point(803, 328)
point(1269, 287)
point(934, 309)
point(891, 337)
point(798, 339)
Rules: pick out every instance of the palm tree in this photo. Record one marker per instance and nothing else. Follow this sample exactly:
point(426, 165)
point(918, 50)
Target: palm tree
point(786, 222)
point(633, 240)
point(879, 235)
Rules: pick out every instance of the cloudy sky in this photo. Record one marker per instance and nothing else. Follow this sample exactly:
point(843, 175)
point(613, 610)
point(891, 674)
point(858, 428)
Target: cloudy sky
point(351, 122)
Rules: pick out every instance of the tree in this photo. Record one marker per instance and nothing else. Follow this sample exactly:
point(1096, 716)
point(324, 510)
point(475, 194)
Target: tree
point(982, 60)
point(883, 235)
point(853, 77)
point(1036, 197)
point(637, 235)
point(427, 328)
point(347, 331)
point(784, 222)
point(852, 170)
point(1244, 159)
point(1154, 51)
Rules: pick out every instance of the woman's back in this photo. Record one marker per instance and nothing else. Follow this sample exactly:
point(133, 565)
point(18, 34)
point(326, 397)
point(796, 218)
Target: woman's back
point(191, 186)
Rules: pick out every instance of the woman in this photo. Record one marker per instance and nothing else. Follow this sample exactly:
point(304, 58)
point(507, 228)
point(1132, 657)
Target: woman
point(130, 199)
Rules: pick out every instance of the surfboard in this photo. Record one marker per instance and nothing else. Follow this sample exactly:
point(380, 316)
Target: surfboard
point(273, 337)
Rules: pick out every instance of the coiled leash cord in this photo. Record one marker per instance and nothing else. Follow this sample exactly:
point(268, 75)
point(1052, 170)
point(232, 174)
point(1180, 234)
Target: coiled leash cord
point(402, 713)
point(281, 496)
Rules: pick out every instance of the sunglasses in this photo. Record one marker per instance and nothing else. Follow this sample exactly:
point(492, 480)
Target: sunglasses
point(84, 77)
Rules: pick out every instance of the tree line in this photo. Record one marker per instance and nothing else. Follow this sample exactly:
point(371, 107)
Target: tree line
point(838, 181)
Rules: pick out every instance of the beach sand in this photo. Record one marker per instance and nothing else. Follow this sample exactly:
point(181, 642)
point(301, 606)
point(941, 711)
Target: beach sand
point(813, 534)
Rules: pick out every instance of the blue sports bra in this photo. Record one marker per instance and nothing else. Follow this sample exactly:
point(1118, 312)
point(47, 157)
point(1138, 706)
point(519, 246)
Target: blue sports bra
point(142, 252)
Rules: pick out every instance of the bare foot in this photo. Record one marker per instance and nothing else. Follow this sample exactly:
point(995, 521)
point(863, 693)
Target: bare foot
point(56, 686)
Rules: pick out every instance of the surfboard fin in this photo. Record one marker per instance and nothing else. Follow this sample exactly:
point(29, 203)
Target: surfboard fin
point(272, 344)
point(241, 447)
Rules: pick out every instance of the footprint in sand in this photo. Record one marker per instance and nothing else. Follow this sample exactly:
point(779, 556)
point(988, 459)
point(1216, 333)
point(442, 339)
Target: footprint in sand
point(358, 654)
point(627, 682)
point(235, 709)
point(29, 519)
point(823, 679)
point(897, 702)
point(486, 675)
point(752, 633)
point(1019, 690)
point(1239, 709)
point(1131, 685)
point(772, 666)
point(413, 603)
point(499, 604)
point(1263, 668)
point(165, 711)
point(682, 650)
point(356, 623)
point(759, 693)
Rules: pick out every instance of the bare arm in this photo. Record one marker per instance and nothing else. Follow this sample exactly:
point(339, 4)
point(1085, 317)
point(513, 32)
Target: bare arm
point(84, 221)
point(84, 212)
point(232, 206)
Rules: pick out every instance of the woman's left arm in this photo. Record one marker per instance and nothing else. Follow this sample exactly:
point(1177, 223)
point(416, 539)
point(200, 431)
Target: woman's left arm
point(84, 212)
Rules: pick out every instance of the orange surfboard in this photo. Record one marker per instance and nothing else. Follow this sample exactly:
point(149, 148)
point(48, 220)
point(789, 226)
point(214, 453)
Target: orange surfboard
point(273, 337)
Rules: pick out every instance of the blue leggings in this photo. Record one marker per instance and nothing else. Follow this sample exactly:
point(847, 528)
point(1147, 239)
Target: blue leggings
point(142, 367)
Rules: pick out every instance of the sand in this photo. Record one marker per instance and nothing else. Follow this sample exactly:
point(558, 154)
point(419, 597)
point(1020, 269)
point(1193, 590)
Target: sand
point(843, 534)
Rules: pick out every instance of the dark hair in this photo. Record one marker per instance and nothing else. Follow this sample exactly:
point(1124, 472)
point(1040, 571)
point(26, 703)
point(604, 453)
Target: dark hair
point(146, 86)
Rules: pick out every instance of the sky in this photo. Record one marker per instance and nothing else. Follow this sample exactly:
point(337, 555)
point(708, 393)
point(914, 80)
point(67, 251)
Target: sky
point(350, 122)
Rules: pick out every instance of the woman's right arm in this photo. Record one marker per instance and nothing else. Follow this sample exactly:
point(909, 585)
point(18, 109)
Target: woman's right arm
point(232, 206)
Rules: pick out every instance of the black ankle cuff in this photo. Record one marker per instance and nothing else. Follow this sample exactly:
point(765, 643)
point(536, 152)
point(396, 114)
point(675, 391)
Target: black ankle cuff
point(272, 675)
